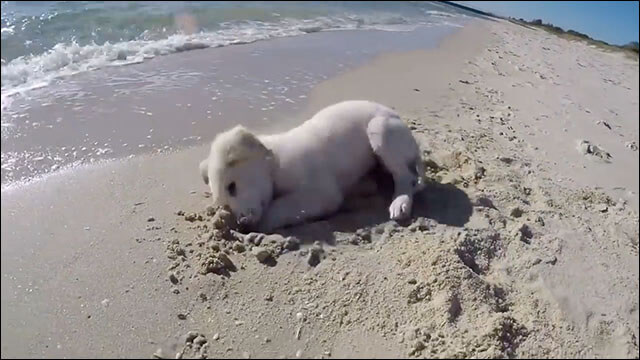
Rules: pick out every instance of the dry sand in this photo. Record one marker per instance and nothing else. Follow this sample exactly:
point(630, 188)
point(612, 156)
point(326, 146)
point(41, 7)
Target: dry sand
point(525, 243)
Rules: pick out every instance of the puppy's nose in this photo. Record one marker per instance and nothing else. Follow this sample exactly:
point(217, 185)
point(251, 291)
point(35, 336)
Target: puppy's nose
point(245, 223)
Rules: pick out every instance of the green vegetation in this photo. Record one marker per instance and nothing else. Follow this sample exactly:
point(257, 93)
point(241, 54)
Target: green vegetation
point(630, 49)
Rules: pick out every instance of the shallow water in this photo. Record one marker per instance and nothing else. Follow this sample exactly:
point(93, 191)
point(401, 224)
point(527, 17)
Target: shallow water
point(44, 40)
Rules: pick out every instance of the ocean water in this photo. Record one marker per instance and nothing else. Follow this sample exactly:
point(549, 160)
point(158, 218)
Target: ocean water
point(43, 40)
point(90, 81)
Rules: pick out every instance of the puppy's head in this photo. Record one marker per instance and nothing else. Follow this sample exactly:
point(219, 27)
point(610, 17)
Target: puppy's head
point(239, 172)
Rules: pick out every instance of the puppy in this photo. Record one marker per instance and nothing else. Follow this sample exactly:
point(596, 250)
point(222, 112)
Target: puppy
point(272, 181)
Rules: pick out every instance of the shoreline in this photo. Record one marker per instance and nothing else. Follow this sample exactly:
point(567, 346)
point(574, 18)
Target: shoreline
point(499, 249)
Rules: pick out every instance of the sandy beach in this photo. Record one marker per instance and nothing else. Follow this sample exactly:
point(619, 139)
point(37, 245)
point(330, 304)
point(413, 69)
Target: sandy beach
point(524, 243)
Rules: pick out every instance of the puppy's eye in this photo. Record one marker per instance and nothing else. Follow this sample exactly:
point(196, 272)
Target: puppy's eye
point(231, 188)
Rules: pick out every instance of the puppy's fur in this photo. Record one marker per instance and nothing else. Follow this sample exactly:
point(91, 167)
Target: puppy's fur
point(277, 180)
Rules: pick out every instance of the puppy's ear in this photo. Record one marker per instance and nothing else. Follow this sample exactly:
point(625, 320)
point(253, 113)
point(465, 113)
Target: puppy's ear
point(204, 170)
point(245, 146)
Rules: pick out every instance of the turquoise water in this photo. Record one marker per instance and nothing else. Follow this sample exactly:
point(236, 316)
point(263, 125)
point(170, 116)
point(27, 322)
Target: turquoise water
point(69, 101)
point(45, 40)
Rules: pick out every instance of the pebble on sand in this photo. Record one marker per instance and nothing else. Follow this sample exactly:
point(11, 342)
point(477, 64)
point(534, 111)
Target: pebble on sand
point(631, 145)
point(261, 254)
point(173, 278)
point(292, 243)
point(516, 212)
point(191, 335)
point(192, 217)
point(239, 247)
point(200, 340)
point(524, 233)
point(315, 254)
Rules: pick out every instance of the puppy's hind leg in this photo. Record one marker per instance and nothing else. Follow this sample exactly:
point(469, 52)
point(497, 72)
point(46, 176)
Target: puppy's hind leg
point(364, 187)
point(362, 195)
point(393, 143)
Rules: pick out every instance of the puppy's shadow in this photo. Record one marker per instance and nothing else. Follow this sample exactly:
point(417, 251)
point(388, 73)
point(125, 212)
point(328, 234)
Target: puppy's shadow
point(444, 203)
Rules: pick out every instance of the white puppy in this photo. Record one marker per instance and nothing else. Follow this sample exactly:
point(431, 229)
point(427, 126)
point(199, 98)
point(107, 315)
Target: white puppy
point(277, 180)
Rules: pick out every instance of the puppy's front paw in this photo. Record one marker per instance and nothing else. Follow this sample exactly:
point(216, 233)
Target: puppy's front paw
point(264, 228)
point(267, 224)
point(400, 208)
